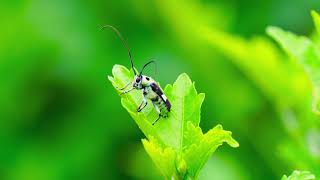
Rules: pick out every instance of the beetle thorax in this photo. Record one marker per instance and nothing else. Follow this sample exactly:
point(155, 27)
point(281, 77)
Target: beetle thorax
point(146, 81)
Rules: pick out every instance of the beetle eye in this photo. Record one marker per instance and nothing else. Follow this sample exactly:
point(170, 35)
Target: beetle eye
point(138, 80)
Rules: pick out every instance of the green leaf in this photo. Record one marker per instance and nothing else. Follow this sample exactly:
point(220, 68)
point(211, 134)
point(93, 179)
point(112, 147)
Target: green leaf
point(258, 57)
point(176, 144)
point(316, 20)
point(305, 52)
point(203, 145)
point(164, 159)
point(299, 175)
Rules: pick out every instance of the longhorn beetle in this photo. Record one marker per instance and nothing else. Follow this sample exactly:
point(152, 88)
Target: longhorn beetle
point(151, 90)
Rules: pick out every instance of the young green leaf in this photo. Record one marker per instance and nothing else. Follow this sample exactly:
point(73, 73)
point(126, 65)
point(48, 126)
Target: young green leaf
point(201, 146)
point(299, 175)
point(305, 52)
point(316, 19)
point(176, 144)
point(164, 159)
point(257, 57)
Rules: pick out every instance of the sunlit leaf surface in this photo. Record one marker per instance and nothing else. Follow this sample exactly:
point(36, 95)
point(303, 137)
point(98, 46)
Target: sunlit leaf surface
point(299, 175)
point(306, 52)
point(176, 144)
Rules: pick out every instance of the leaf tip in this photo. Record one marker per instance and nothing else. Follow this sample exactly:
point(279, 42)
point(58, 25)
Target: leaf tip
point(168, 87)
point(271, 30)
point(183, 82)
point(229, 139)
point(233, 143)
point(314, 13)
point(219, 127)
point(111, 79)
point(316, 20)
point(118, 68)
point(184, 77)
point(202, 95)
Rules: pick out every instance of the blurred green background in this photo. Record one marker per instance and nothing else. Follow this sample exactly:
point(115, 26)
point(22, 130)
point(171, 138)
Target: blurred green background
point(61, 118)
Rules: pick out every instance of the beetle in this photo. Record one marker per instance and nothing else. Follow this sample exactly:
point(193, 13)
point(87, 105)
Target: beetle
point(149, 87)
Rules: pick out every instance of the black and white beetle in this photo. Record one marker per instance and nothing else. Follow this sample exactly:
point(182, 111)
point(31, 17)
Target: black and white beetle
point(151, 89)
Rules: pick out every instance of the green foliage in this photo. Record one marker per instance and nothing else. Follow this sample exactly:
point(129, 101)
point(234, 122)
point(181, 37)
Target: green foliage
point(299, 175)
point(176, 145)
point(316, 19)
point(257, 57)
point(280, 80)
point(306, 52)
point(59, 120)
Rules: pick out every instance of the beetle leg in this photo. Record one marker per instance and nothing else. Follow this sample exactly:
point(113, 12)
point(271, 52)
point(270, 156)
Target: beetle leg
point(158, 111)
point(154, 122)
point(145, 102)
point(126, 91)
point(156, 107)
point(123, 87)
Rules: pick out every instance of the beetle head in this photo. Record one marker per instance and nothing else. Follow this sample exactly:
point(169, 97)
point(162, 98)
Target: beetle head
point(137, 83)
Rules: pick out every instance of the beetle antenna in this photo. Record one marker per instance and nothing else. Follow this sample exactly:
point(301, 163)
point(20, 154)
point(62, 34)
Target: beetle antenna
point(152, 61)
point(125, 44)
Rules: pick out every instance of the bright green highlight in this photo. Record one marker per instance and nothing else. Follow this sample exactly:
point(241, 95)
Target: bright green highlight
point(299, 175)
point(306, 52)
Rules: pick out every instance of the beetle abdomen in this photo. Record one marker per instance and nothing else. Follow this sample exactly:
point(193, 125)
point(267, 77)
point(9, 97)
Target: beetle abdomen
point(163, 104)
